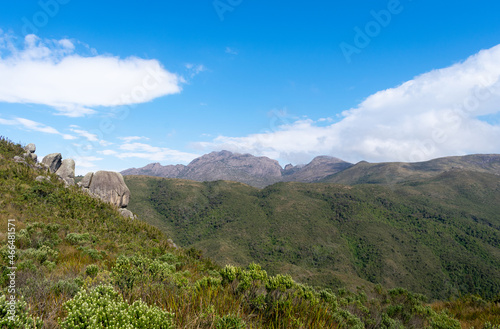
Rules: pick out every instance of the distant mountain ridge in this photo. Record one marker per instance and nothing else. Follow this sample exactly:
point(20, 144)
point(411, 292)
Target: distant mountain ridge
point(388, 173)
point(244, 168)
point(263, 171)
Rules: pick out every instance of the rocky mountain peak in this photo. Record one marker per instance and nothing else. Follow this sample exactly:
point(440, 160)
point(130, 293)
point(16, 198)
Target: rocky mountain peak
point(258, 171)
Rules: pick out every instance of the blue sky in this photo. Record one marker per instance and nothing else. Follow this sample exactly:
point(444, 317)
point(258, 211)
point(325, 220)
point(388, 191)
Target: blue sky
point(120, 84)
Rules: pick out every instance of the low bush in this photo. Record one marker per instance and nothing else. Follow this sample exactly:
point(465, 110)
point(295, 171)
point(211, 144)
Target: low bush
point(103, 307)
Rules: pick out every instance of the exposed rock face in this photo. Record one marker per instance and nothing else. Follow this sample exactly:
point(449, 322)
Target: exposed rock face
point(67, 171)
point(224, 165)
point(85, 182)
point(52, 161)
point(110, 187)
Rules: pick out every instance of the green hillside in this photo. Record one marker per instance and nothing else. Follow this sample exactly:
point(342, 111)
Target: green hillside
point(80, 264)
point(397, 172)
point(438, 236)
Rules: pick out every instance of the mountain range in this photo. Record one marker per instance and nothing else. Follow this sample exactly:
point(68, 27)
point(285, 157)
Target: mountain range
point(263, 171)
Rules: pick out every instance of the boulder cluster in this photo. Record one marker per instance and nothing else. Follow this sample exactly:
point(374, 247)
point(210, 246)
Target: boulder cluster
point(65, 169)
point(106, 185)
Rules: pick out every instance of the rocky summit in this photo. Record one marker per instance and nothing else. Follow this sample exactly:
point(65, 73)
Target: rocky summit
point(243, 168)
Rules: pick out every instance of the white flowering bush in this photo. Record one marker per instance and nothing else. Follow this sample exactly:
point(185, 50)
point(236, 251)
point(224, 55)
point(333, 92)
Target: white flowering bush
point(103, 307)
point(22, 318)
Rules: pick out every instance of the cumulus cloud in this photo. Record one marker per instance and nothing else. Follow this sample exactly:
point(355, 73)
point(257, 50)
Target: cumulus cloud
point(31, 125)
point(51, 72)
point(434, 114)
point(154, 153)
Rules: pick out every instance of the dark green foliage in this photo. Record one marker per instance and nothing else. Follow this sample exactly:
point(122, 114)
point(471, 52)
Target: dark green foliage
point(438, 236)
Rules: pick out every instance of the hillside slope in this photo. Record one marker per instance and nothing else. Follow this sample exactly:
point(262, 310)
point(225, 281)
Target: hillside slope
point(80, 264)
point(438, 236)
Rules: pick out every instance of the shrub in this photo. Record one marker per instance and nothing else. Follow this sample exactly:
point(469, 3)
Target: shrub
point(228, 274)
point(22, 317)
point(443, 321)
point(41, 254)
point(65, 287)
point(160, 270)
point(78, 238)
point(229, 322)
point(207, 282)
point(93, 253)
point(103, 307)
point(92, 270)
point(279, 282)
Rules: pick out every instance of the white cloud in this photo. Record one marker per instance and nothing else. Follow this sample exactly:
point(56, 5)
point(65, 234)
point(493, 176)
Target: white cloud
point(86, 161)
point(34, 126)
point(435, 114)
point(154, 153)
point(107, 152)
point(50, 72)
point(129, 139)
point(90, 137)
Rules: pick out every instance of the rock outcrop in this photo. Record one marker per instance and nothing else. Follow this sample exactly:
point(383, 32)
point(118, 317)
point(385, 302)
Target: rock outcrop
point(52, 161)
point(30, 152)
point(66, 171)
point(109, 186)
point(106, 185)
point(127, 213)
point(31, 148)
point(85, 182)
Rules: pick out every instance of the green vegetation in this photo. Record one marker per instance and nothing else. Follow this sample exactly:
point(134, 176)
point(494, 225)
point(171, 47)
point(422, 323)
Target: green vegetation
point(439, 237)
point(473, 311)
point(81, 264)
point(103, 307)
